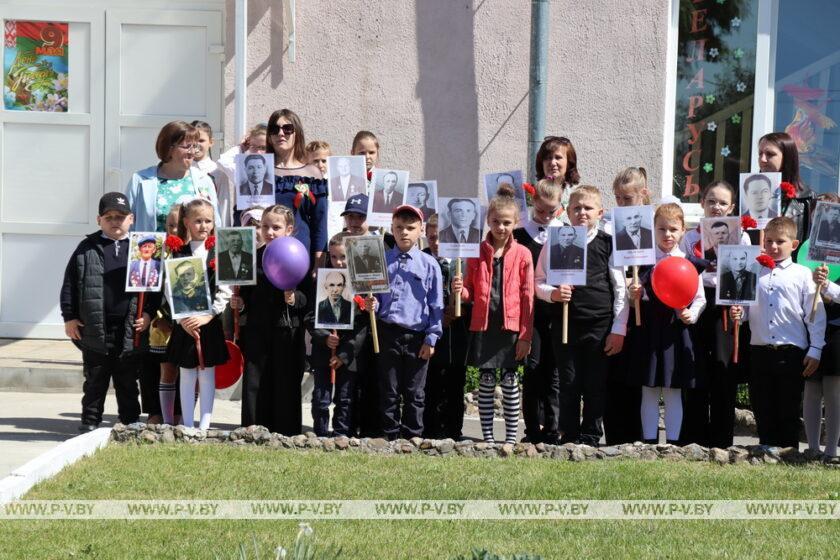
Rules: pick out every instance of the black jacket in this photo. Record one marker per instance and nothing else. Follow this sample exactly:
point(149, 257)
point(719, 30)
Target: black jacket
point(83, 297)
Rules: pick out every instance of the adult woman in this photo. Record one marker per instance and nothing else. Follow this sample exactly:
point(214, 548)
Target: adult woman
point(557, 159)
point(777, 153)
point(151, 194)
point(152, 191)
point(297, 185)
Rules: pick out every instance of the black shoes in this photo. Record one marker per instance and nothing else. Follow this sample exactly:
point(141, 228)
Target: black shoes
point(85, 427)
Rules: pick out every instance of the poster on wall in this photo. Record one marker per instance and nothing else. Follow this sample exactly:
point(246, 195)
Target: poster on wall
point(35, 71)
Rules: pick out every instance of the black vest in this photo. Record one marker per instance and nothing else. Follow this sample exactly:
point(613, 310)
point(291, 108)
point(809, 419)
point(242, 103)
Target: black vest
point(593, 302)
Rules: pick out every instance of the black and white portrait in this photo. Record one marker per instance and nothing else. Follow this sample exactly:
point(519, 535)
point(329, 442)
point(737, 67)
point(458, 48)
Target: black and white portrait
point(366, 264)
point(459, 227)
point(492, 182)
point(236, 258)
point(187, 287)
point(333, 306)
point(760, 196)
point(567, 255)
point(718, 231)
point(737, 274)
point(145, 272)
point(633, 238)
point(347, 177)
point(254, 176)
point(388, 187)
point(422, 195)
point(825, 231)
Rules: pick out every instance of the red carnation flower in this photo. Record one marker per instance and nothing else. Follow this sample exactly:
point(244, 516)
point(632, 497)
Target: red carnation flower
point(766, 261)
point(174, 243)
point(529, 188)
point(788, 189)
point(748, 222)
point(211, 264)
point(370, 175)
point(698, 250)
point(210, 242)
point(360, 301)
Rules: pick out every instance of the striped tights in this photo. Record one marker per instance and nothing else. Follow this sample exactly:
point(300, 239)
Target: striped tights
point(510, 403)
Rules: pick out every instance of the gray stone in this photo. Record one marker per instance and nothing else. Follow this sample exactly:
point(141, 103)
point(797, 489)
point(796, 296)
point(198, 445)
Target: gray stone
point(426, 444)
point(329, 445)
point(610, 451)
point(576, 454)
point(540, 447)
point(744, 423)
point(118, 427)
point(481, 446)
point(531, 451)
point(342, 443)
point(738, 455)
point(446, 446)
point(137, 426)
point(694, 452)
point(416, 441)
point(354, 442)
point(313, 443)
point(406, 448)
point(167, 436)
point(719, 456)
point(506, 450)
point(559, 453)
point(310, 434)
point(299, 440)
point(377, 444)
point(148, 436)
point(588, 451)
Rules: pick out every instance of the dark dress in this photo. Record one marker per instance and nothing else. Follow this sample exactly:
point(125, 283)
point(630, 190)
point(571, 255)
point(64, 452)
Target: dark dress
point(830, 362)
point(181, 350)
point(494, 347)
point(310, 218)
point(661, 350)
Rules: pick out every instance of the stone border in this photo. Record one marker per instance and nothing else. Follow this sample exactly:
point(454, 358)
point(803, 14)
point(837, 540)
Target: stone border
point(140, 433)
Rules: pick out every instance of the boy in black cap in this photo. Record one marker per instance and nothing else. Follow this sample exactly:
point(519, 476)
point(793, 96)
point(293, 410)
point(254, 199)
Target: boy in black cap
point(101, 318)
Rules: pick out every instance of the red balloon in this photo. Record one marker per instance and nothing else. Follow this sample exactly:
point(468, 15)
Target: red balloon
point(675, 282)
point(229, 373)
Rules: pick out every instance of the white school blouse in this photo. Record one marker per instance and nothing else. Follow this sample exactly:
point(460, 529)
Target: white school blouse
point(781, 314)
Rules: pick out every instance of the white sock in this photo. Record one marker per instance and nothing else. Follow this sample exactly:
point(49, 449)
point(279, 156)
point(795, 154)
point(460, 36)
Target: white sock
point(207, 388)
point(650, 412)
point(167, 402)
point(673, 413)
point(812, 402)
point(187, 381)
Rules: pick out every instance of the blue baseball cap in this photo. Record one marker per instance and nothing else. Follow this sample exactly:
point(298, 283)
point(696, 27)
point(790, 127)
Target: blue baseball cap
point(147, 239)
point(356, 204)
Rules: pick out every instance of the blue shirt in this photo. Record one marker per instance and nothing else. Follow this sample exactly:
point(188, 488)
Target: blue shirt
point(416, 298)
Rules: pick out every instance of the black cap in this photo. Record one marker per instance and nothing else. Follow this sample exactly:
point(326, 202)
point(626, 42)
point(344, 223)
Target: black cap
point(114, 201)
point(356, 204)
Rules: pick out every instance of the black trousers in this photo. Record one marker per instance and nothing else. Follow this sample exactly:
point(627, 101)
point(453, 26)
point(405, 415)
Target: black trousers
point(322, 395)
point(366, 417)
point(150, 384)
point(622, 420)
point(443, 412)
point(582, 368)
point(776, 393)
point(99, 369)
point(402, 376)
point(541, 387)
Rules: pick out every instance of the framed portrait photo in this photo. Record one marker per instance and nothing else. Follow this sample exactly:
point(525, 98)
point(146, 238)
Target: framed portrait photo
point(633, 242)
point(236, 256)
point(567, 255)
point(718, 231)
point(459, 227)
point(387, 192)
point(334, 307)
point(347, 176)
point(254, 178)
point(423, 196)
point(145, 269)
point(187, 287)
point(492, 182)
point(366, 264)
point(760, 196)
point(824, 242)
point(737, 274)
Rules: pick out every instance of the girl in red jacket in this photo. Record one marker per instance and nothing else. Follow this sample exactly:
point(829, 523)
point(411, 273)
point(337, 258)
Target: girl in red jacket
point(500, 283)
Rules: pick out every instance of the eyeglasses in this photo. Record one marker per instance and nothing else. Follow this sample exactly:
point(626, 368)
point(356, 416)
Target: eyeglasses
point(288, 129)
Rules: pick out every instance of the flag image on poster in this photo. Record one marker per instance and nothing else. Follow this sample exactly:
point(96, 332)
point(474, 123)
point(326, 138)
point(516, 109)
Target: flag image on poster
point(35, 71)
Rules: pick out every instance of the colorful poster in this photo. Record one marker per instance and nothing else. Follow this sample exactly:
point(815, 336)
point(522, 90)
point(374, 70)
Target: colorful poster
point(35, 72)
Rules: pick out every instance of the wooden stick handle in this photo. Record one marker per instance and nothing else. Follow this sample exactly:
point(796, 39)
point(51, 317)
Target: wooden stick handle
point(236, 317)
point(373, 329)
point(565, 322)
point(458, 295)
point(141, 301)
point(815, 302)
point(725, 312)
point(637, 303)
point(332, 369)
point(735, 326)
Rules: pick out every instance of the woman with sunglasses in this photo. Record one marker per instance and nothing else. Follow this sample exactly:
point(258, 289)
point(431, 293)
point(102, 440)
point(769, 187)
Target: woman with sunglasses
point(297, 185)
point(151, 194)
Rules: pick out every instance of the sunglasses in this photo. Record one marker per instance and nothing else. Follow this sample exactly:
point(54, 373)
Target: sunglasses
point(288, 129)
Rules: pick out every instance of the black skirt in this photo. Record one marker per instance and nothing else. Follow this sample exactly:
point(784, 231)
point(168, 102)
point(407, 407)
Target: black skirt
point(182, 350)
point(830, 362)
point(661, 350)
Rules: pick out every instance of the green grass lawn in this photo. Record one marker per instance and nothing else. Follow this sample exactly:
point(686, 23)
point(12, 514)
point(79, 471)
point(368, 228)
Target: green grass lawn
point(182, 472)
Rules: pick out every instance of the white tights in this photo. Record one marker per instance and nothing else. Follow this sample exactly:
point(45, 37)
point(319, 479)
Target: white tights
point(825, 390)
point(650, 412)
point(207, 391)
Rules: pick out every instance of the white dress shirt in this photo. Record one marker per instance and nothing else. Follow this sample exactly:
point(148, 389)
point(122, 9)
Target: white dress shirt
point(783, 307)
point(539, 232)
point(620, 310)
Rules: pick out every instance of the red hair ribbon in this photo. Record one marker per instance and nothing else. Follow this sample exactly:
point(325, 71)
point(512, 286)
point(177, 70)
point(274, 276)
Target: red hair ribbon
point(766, 261)
point(360, 301)
point(748, 222)
point(788, 189)
point(210, 242)
point(174, 243)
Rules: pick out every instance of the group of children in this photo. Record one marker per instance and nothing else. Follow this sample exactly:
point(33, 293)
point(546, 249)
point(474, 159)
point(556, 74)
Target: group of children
point(606, 379)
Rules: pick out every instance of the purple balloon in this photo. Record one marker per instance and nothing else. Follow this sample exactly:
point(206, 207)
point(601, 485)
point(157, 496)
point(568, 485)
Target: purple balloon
point(285, 262)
